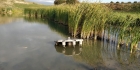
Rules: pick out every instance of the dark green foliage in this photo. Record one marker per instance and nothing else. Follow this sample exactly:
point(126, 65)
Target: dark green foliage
point(117, 2)
point(135, 2)
point(129, 2)
point(135, 7)
point(138, 21)
point(122, 2)
point(111, 2)
point(57, 2)
point(125, 6)
point(72, 1)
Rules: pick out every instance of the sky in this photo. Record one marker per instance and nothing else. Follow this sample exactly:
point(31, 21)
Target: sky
point(50, 2)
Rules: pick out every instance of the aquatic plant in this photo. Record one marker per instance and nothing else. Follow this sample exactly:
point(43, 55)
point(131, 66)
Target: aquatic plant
point(135, 38)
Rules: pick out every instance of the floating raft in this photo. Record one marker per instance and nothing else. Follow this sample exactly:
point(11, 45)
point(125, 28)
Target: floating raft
point(69, 42)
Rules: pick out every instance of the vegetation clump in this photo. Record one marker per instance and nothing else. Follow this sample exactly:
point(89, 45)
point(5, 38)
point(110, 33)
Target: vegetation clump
point(86, 21)
point(58, 2)
point(16, 7)
point(131, 7)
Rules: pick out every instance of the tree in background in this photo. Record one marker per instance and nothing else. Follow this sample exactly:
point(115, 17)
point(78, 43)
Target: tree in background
point(135, 6)
point(72, 1)
point(135, 2)
point(117, 2)
point(57, 2)
point(122, 2)
point(129, 2)
point(111, 2)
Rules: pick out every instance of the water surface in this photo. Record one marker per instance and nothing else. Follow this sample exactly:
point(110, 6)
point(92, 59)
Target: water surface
point(28, 44)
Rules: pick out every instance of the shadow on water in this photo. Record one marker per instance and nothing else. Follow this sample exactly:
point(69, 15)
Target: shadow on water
point(60, 29)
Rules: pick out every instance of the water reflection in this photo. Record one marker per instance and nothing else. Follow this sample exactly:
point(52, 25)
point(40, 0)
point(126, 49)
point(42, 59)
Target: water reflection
point(100, 54)
point(60, 29)
point(69, 50)
point(30, 46)
point(6, 19)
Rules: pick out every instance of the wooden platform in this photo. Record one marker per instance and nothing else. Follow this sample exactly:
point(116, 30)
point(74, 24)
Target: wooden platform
point(69, 41)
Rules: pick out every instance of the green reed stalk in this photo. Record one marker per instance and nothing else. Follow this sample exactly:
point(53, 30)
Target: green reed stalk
point(135, 38)
point(75, 16)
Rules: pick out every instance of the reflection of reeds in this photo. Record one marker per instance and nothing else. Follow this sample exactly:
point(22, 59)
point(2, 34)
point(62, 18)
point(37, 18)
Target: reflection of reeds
point(60, 29)
point(91, 53)
point(135, 38)
point(127, 24)
point(96, 54)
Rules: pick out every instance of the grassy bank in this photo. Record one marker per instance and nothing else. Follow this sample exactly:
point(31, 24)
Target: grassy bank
point(17, 8)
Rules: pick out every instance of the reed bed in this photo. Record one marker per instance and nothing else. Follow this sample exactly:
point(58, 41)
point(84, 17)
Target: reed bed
point(128, 26)
point(81, 18)
point(91, 20)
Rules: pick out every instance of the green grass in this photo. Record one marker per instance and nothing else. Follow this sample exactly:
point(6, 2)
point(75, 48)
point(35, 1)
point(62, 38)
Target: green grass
point(18, 8)
point(31, 5)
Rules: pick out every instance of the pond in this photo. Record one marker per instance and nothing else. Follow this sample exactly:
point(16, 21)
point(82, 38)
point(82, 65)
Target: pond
point(28, 44)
